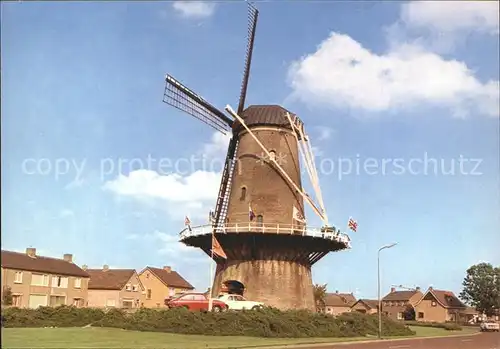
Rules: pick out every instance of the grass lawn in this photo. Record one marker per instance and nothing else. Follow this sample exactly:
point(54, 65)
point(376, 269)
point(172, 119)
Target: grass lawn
point(116, 338)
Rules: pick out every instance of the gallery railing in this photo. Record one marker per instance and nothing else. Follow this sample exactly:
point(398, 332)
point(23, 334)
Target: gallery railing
point(268, 228)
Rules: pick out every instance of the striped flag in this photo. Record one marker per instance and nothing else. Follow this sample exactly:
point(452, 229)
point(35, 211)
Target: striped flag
point(352, 224)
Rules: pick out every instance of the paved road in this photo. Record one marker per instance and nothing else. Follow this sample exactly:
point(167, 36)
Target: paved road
point(489, 340)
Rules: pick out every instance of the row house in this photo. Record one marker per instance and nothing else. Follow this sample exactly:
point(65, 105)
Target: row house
point(36, 280)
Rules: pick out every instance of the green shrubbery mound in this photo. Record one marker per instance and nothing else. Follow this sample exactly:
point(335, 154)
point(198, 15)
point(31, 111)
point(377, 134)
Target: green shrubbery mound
point(449, 326)
point(265, 322)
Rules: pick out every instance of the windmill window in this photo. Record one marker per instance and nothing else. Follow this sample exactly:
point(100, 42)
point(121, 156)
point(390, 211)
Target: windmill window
point(243, 193)
point(272, 155)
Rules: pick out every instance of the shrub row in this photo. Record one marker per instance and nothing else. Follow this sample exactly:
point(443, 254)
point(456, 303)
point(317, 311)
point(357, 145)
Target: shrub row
point(265, 322)
point(449, 326)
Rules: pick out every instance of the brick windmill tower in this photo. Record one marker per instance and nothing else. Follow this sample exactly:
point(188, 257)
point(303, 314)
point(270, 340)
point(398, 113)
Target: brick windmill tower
point(259, 217)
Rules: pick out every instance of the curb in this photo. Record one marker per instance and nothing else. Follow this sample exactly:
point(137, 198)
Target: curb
point(323, 344)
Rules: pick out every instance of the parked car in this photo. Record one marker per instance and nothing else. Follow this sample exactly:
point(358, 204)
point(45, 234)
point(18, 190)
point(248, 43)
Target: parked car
point(195, 301)
point(237, 302)
point(489, 326)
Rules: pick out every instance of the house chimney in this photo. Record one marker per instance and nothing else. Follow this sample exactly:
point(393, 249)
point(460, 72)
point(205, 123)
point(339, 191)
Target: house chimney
point(31, 251)
point(417, 288)
point(68, 257)
point(393, 289)
point(337, 291)
point(105, 267)
point(167, 268)
point(84, 267)
point(430, 288)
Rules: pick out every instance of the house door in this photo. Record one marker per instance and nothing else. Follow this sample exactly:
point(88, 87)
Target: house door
point(37, 300)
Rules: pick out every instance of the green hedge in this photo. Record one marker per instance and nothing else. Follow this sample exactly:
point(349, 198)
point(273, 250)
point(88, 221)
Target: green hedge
point(266, 322)
point(449, 326)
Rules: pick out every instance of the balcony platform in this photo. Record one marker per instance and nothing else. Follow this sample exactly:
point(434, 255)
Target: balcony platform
point(267, 228)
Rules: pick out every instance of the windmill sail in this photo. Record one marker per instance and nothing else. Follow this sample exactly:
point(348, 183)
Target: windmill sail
point(225, 185)
point(182, 98)
point(253, 14)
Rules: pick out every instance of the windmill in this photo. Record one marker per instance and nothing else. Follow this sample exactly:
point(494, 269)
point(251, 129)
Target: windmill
point(259, 217)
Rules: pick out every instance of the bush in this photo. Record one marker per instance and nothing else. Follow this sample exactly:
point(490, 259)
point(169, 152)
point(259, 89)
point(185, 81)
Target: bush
point(266, 322)
point(449, 326)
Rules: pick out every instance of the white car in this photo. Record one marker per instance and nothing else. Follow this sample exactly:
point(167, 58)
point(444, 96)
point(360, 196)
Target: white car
point(237, 302)
point(489, 326)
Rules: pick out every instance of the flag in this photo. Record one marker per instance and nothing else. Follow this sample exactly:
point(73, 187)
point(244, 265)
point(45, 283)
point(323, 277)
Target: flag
point(352, 224)
point(187, 222)
point(217, 248)
point(297, 215)
point(251, 215)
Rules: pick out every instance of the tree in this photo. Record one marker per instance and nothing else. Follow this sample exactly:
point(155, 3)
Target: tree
point(482, 288)
point(7, 296)
point(319, 292)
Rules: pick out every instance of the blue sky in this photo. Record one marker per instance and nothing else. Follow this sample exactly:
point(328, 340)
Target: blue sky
point(82, 87)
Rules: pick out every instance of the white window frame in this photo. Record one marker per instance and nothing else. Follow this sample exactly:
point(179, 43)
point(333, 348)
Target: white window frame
point(135, 288)
point(60, 281)
point(17, 299)
point(45, 282)
point(128, 287)
point(78, 283)
point(18, 277)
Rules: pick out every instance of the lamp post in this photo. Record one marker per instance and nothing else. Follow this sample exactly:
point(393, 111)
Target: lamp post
point(378, 284)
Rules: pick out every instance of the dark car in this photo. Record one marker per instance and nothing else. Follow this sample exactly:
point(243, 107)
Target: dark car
point(195, 301)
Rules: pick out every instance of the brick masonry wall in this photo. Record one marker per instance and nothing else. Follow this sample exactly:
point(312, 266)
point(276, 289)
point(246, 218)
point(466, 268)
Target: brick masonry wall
point(280, 283)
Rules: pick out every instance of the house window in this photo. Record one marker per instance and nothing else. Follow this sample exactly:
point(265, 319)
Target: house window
point(18, 278)
point(134, 288)
point(148, 296)
point(260, 220)
point(110, 302)
point(128, 303)
point(433, 303)
point(171, 291)
point(78, 302)
point(400, 316)
point(243, 194)
point(420, 315)
point(147, 275)
point(78, 283)
point(128, 287)
point(39, 280)
point(16, 300)
point(272, 155)
point(59, 281)
point(57, 300)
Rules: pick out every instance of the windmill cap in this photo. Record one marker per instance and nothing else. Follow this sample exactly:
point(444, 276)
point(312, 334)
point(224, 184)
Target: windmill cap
point(264, 115)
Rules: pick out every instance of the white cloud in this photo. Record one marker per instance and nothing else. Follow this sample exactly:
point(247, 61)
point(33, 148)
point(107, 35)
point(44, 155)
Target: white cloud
point(194, 9)
point(450, 16)
point(342, 73)
point(324, 132)
point(193, 194)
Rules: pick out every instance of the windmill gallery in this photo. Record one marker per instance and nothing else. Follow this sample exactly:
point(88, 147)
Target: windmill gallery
point(258, 235)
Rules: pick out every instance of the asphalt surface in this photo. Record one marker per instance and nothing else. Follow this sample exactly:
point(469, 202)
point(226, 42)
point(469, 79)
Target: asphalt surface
point(490, 340)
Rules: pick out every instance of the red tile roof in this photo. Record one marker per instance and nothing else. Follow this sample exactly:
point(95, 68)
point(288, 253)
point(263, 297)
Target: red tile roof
point(400, 295)
point(447, 299)
point(170, 278)
point(109, 279)
point(41, 264)
point(339, 299)
point(369, 303)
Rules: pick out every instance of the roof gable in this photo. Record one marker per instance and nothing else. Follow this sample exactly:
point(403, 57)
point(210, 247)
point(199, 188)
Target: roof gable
point(367, 303)
point(339, 299)
point(109, 279)
point(169, 278)
point(41, 264)
point(446, 299)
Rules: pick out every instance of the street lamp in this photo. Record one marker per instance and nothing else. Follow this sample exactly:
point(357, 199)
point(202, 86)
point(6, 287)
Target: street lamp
point(378, 284)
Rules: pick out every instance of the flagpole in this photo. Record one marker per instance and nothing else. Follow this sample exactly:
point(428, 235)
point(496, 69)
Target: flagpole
point(210, 302)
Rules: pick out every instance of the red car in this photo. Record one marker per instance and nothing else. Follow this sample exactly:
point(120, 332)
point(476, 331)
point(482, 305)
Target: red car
point(196, 301)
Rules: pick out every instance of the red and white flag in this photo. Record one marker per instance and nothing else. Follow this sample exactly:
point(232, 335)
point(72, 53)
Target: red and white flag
point(187, 221)
point(217, 248)
point(352, 224)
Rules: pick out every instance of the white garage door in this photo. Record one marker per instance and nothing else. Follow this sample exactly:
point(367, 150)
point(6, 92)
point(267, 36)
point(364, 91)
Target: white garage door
point(37, 300)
